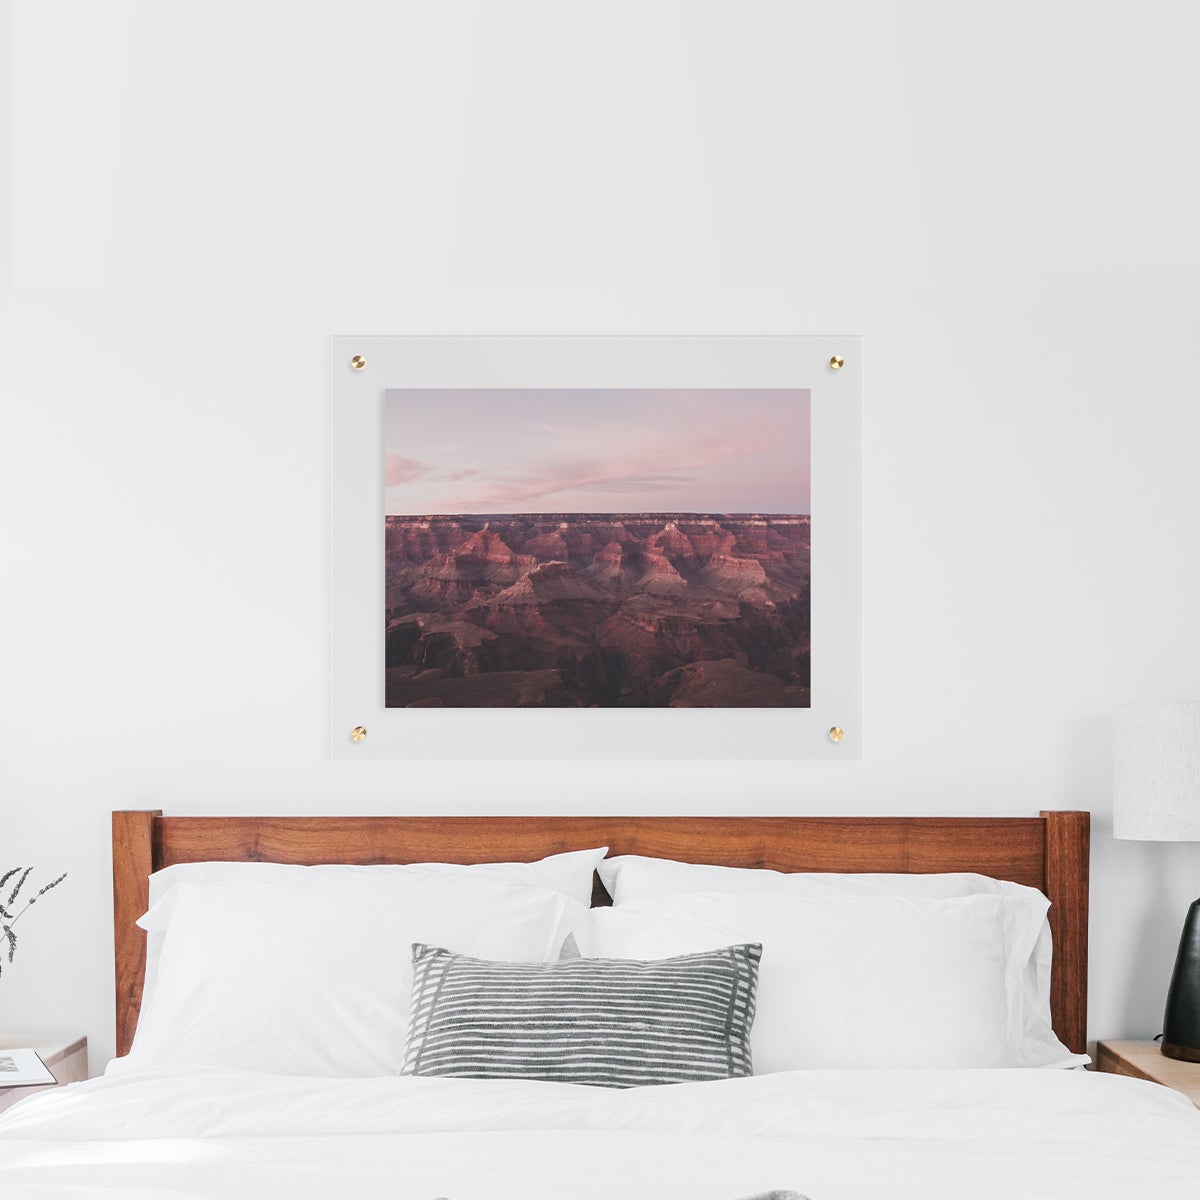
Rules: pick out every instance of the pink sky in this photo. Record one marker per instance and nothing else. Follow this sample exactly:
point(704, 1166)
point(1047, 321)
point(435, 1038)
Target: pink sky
point(594, 450)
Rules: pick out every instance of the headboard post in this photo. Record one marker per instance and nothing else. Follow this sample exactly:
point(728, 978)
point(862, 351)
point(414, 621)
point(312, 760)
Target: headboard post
point(133, 862)
point(1068, 846)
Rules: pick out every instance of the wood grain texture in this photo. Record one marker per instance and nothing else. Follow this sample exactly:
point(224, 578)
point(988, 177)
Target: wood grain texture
point(133, 855)
point(1145, 1060)
point(1068, 855)
point(1014, 848)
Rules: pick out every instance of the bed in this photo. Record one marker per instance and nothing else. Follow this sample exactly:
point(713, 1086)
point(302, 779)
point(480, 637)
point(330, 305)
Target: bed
point(827, 1134)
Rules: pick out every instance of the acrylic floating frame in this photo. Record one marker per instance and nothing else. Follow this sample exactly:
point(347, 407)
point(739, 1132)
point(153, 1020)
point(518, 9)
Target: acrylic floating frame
point(365, 369)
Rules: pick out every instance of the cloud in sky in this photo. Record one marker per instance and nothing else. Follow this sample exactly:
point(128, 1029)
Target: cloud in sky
point(402, 470)
point(654, 462)
point(592, 450)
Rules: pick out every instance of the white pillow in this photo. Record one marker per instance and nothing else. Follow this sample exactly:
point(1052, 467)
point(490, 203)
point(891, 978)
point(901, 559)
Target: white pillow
point(852, 981)
point(311, 975)
point(632, 877)
point(569, 873)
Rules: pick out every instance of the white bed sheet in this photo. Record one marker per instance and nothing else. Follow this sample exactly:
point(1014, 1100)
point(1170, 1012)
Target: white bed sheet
point(831, 1135)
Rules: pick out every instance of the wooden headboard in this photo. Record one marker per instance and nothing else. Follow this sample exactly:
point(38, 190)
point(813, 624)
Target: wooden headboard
point(1049, 852)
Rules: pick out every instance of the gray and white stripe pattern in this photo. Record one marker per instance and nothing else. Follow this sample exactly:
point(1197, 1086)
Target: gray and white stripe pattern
point(608, 1022)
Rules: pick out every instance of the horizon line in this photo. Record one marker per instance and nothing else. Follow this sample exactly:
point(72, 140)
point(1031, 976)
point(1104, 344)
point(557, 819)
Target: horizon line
point(614, 513)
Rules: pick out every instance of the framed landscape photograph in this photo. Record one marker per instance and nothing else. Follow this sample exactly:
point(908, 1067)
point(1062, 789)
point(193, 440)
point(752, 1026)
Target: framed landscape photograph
point(549, 545)
point(596, 548)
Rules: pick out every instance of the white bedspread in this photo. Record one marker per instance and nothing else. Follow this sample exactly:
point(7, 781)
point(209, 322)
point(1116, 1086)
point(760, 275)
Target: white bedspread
point(831, 1135)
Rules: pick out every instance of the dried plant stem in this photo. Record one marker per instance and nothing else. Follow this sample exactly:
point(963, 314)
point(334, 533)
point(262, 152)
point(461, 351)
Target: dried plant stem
point(9, 919)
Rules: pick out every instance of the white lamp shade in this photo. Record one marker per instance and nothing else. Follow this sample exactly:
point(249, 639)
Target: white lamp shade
point(1156, 771)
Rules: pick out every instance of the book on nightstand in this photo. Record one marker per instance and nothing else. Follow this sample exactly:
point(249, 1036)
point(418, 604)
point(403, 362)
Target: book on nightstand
point(23, 1068)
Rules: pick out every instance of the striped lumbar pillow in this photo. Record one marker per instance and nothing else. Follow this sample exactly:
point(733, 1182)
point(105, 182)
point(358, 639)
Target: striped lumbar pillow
point(608, 1022)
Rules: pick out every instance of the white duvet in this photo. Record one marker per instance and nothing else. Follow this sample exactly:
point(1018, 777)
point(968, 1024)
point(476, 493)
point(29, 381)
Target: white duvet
point(831, 1135)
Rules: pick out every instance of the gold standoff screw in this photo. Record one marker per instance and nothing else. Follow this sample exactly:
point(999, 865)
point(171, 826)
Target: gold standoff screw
point(358, 733)
point(358, 362)
point(836, 363)
point(836, 733)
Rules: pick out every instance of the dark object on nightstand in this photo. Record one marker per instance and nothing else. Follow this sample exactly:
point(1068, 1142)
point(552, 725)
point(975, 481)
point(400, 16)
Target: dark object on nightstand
point(1181, 1025)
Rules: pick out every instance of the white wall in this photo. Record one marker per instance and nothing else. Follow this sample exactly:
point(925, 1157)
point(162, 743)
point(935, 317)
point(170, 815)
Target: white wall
point(1001, 197)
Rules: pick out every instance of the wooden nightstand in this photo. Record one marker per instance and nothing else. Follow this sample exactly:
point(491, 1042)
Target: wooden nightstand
point(1144, 1060)
point(66, 1058)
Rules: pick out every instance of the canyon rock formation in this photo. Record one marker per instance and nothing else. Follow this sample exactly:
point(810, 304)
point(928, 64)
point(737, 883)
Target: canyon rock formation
point(598, 610)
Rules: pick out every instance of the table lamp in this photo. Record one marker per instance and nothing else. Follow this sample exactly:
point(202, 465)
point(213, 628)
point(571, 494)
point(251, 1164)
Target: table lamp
point(1156, 797)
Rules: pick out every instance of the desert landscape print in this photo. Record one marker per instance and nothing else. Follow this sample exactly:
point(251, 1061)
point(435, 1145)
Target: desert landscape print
point(584, 548)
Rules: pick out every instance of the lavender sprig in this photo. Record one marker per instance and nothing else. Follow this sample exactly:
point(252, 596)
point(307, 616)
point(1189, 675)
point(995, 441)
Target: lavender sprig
point(8, 917)
point(20, 884)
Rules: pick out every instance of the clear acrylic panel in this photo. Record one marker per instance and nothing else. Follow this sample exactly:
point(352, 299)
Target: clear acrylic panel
point(524, 378)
